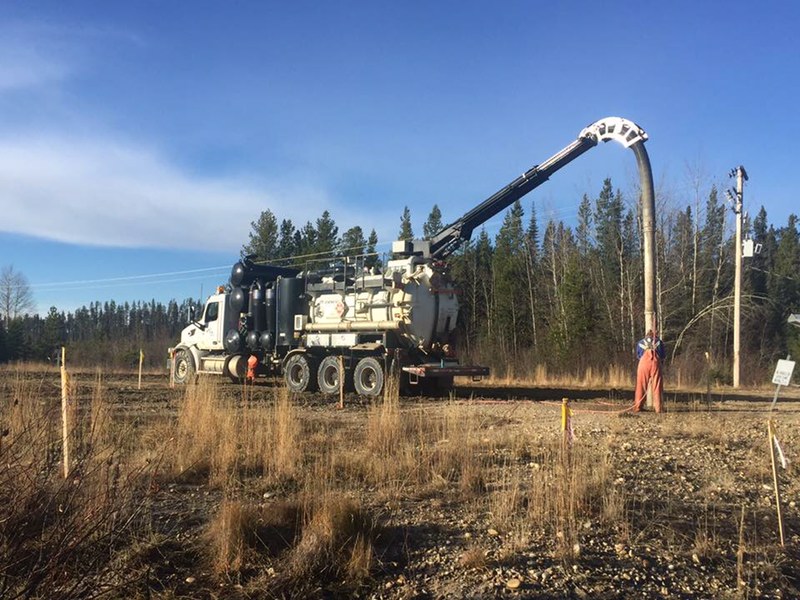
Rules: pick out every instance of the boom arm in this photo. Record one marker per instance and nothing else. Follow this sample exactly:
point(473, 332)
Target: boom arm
point(450, 238)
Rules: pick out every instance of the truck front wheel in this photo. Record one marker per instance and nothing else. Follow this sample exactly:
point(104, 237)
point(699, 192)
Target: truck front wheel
point(184, 367)
point(300, 373)
point(369, 377)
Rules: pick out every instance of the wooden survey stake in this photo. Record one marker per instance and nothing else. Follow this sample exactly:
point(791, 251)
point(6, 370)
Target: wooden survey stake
point(141, 361)
point(65, 410)
point(771, 435)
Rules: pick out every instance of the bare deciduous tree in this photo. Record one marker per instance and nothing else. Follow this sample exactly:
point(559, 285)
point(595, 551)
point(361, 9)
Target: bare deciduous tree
point(16, 297)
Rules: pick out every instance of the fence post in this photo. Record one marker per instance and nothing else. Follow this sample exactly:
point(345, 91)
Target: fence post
point(65, 410)
point(341, 381)
point(141, 361)
point(566, 425)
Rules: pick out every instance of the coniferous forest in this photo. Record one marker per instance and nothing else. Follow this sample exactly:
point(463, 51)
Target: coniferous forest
point(567, 296)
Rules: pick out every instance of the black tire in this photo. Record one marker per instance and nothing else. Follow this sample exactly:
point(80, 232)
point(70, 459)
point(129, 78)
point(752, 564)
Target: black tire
point(184, 367)
point(328, 376)
point(300, 373)
point(369, 377)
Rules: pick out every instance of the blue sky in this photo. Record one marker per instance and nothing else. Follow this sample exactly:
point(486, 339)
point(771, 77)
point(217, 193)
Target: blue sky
point(142, 138)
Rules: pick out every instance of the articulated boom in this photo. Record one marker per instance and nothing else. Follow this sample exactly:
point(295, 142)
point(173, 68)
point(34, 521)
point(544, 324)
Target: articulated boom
point(450, 238)
point(344, 326)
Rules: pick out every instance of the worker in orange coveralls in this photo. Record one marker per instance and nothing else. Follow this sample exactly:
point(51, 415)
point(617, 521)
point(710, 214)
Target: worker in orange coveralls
point(252, 363)
point(650, 352)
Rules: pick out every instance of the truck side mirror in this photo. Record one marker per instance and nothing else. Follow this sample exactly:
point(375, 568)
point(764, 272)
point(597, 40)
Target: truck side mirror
point(191, 313)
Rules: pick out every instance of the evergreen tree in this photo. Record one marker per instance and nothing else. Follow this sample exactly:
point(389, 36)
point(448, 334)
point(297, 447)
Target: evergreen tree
point(584, 230)
point(286, 240)
point(54, 334)
point(532, 234)
point(434, 223)
point(758, 265)
point(757, 324)
point(353, 242)
point(609, 272)
point(17, 336)
point(508, 270)
point(372, 260)
point(484, 255)
point(714, 257)
point(784, 288)
point(406, 231)
point(532, 272)
point(306, 242)
point(263, 242)
point(684, 241)
point(327, 238)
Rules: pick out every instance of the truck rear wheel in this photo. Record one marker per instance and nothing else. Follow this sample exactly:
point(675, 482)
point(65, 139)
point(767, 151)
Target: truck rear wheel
point(300, 373)
point(369, 377)
point(184, 367)
point(328, 375)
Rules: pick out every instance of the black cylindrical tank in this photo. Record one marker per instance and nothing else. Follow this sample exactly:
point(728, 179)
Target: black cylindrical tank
point(253, 340)
point(291, 302)
point(240, 298)
point(246, 272)
point(269, 305)
point(233, 341)
point(267, 340)
point(257, 306)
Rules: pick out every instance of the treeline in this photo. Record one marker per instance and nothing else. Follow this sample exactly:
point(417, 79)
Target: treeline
point(568, 296)
point(285, 243)
point(571, 297)
point(106, 333)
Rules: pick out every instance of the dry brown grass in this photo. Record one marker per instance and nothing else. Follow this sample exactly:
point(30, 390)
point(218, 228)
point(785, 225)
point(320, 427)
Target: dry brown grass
point(614, 376)
point(56, 532)
point(474, 557)
point(285, 438)
point(296, 500)
point(221, 440)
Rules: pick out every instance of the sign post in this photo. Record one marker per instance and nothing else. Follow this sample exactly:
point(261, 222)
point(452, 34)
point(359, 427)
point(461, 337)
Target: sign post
point(782, 376)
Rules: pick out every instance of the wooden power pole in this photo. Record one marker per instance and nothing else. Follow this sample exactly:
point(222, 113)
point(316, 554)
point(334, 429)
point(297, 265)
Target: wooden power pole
point(741, 177)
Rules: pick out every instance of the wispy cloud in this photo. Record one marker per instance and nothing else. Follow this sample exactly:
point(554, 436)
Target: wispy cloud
point(67, 176)
point(107, 192)
point(98, 188)
point(30, 59)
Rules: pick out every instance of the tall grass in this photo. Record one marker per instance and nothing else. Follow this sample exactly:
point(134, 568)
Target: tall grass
point(218, 440)
point(56, 533)
point(540, 374)
point(295, 501)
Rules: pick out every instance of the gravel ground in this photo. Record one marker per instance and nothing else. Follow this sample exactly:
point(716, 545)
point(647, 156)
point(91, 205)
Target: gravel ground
point(698, 516)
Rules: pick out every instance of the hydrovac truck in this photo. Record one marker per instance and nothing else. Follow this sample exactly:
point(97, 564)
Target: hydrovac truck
point(342, 323)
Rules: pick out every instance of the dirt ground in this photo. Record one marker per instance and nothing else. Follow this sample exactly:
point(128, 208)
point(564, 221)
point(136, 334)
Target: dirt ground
point(697, 515)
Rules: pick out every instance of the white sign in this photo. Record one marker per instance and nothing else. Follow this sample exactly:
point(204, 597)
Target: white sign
point(783, 372)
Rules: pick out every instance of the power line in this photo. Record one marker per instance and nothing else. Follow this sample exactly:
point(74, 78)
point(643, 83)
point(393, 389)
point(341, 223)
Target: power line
point(125, 278)
point(120, 284)
point(773, 274)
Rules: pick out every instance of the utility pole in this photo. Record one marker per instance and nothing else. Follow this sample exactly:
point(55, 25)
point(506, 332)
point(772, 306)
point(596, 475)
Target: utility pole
point(741, 177)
